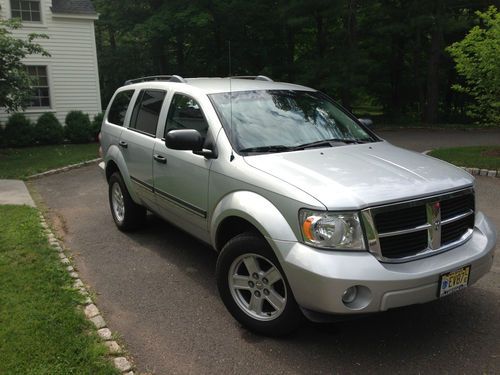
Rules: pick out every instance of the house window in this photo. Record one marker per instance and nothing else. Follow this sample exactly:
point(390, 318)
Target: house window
point(40, 96)
point(26, 10)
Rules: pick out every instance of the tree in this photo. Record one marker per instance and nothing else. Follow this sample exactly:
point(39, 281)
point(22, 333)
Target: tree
point(477, 59)
point(15, 82)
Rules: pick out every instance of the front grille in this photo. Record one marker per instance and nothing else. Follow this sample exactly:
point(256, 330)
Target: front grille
point(412, 229)
point(403, 218)
point(456, 206)
point(454, 231)
point(404, 245)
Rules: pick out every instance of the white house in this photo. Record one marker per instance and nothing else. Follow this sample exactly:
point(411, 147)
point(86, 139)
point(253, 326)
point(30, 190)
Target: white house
point(67, 80)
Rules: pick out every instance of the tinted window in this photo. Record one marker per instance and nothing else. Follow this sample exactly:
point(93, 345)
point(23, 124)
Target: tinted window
point(185, 113)
point(147, 111)
point(119, 107)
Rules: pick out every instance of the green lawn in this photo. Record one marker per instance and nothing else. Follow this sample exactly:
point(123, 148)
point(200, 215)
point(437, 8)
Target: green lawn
point(41, 331)
point(19, 163)
point(484, 157)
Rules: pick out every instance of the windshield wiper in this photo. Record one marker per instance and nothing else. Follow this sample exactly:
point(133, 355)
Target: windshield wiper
point(326, 142)
point(273, 148)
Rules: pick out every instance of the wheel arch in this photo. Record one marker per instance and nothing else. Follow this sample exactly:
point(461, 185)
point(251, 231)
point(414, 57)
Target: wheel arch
point(115, 163)
point(245, 211)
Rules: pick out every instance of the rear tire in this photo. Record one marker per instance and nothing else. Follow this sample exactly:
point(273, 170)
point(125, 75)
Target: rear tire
point(127, 214)
point(254, 288)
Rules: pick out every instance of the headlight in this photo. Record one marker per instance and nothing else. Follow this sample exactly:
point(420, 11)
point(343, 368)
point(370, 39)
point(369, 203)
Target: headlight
point(332, 230)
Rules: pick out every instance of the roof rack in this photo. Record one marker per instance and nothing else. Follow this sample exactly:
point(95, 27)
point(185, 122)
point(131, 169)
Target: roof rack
point(172, 78)
point(257, 78)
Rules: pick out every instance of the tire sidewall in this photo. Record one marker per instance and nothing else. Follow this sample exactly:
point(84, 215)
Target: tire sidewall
point(250, 243)
point(133, 213)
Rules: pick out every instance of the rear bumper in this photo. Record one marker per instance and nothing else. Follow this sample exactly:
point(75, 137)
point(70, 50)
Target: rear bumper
point(319, 278)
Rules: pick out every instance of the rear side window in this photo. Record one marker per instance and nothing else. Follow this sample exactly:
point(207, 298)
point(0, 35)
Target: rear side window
point(147, 111)
point(119, 107)
point(185, 113)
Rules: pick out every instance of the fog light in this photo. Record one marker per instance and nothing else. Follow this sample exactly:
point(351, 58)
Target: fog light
point(350, 294)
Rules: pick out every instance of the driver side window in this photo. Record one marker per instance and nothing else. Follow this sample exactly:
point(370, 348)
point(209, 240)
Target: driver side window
point(186, 113)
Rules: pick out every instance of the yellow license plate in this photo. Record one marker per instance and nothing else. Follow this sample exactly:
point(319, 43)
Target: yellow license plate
point(453, 281)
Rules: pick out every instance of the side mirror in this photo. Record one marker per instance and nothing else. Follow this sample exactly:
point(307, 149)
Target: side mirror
point(184, 139)
point(367, 122)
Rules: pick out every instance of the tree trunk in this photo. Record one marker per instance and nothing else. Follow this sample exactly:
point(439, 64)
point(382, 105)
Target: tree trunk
point(179, 51)
point(397, 60)
point(159, 58)
point(437, 44)
point(320, 35)
point(351, 29)
point(290, 55)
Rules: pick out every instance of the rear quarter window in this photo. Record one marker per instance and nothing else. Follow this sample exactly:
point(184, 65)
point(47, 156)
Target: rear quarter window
point(119, 107)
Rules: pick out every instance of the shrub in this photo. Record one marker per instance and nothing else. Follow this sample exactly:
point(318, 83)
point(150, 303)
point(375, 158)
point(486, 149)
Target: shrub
point(96, 125)
point(18, 131)
point(78, 128)
point(48, 130)
point(2, 136)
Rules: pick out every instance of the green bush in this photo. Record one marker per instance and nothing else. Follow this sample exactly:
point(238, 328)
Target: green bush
point(18, 131)
point(48, 130)
point(2, 136)
point(78, 127)
point(96, 125)
point(476, 59)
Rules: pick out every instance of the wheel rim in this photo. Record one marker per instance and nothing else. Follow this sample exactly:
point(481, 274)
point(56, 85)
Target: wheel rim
point(117, 202)
point(258, 287)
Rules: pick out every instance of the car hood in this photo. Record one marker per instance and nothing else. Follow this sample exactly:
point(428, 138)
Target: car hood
point(356, 176)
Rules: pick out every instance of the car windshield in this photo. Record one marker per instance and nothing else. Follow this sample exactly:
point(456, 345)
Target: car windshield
point(285, 120)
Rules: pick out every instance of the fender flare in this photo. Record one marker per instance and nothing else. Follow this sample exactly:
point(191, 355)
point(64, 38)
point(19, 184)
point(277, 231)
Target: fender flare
point(255, 209)
point(114, 154)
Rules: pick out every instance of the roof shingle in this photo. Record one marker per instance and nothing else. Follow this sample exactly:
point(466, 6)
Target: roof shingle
point(84, 7)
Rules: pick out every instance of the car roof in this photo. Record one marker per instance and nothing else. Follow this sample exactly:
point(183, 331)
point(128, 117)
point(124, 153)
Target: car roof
point(220, 85)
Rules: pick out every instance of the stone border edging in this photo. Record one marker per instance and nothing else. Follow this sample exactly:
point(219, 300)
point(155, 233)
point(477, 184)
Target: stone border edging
point(476, 171)
point(63, 169)
point(122, 363)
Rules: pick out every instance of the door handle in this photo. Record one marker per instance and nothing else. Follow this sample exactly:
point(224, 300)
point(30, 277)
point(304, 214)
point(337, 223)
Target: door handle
point(123, 144)
point(160, 159)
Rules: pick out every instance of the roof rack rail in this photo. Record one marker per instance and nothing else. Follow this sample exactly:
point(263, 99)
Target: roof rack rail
point(169, 78)
point(257, 78)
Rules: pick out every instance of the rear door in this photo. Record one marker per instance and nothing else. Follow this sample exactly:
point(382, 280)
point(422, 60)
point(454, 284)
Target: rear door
point(115, 119)
point(181, 177)
point(137, 142)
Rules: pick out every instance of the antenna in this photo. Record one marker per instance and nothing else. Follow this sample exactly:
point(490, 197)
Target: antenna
point(231, 158)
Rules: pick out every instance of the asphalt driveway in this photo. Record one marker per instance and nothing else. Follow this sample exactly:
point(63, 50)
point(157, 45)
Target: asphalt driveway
point(423, 139)
point(157, 289)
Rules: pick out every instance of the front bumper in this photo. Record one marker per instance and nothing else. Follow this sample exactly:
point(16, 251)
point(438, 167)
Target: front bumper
point(318, 278)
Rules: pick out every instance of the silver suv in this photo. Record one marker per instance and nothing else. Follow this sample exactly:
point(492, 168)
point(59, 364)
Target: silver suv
point(310, 212)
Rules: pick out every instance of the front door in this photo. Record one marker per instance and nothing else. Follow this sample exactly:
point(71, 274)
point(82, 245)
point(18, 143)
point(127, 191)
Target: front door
point(181, 177)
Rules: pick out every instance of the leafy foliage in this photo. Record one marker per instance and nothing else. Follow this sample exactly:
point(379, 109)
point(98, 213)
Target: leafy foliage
point(18, 131)
point(371, 53)
point(477, 59)
point(15, 88)
point(96, 125)
point(48, 130)
point(78, 128)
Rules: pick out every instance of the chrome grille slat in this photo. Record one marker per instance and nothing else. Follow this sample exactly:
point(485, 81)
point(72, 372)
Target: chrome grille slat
point(394, 236)
point(404, 231)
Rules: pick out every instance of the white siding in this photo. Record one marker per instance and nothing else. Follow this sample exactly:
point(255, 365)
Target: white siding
point(72, 66)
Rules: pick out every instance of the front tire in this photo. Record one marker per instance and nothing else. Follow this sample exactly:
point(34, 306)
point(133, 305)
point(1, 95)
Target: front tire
point(254, 288)
point(127, 214)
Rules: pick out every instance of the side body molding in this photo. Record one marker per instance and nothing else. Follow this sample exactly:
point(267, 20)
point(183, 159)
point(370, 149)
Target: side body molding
point(114, 154)
point(257, 210)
